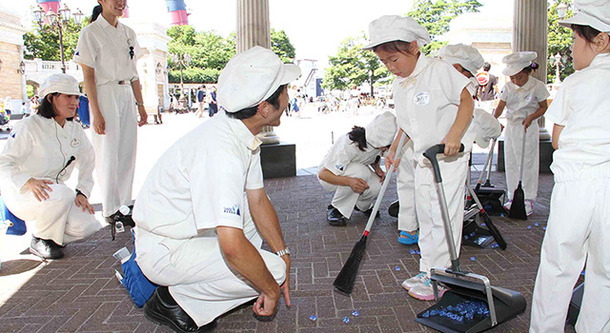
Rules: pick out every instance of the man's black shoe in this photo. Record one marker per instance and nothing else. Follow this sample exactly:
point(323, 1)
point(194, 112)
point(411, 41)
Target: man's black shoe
point(163, 309)
point(45, 249)
point(367, 212)
point(335, 218)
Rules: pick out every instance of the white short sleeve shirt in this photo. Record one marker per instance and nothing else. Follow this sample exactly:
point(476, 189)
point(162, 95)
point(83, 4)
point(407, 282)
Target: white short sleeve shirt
point(523, 101)
point(582, 105)
point(427, 102)
point(344, 152)
point(107, 50)
point(198, 184)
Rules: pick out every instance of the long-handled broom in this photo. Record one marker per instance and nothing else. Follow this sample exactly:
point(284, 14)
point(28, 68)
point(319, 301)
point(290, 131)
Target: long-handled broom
point(517, 208)
point(344, 282)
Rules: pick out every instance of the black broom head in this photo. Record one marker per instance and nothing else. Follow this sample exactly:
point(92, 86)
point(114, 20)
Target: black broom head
point(517, 208)
point(347, 276)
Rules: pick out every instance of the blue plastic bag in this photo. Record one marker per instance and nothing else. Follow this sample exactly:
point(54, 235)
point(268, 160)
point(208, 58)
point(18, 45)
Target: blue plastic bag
point(18, 228)
point(139, 287)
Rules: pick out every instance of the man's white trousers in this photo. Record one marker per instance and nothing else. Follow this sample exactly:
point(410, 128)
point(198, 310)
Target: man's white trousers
point(57, 218)
point(578, 233)
point(115, 152)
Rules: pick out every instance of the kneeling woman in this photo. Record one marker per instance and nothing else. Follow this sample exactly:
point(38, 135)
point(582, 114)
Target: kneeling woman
point(38, 157)
point(345, 168)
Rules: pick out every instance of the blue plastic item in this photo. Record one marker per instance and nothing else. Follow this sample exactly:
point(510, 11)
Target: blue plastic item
point(139, 287)
point(18, 228)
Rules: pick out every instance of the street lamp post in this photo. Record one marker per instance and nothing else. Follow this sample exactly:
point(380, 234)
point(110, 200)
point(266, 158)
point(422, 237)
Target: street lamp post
point(58, 21)
point(183, 60)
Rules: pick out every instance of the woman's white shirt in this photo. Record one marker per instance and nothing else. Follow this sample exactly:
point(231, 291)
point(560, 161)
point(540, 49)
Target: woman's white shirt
point(344, 152)
point(523, 101)
point(39, 148)
point(106, 49)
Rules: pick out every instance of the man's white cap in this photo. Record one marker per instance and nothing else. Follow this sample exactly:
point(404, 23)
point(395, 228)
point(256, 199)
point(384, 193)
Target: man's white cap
point(593, 13)
point(516, 62)
point(467, 56)
point(389, 28)
point(381, 131)
point(59, 83)
point(251, 77)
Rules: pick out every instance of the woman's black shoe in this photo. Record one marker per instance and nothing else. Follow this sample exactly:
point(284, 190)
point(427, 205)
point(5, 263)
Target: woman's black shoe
point(163, 309)
point(45, 249)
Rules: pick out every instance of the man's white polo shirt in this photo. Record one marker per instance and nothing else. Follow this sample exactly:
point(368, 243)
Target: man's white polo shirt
point(198, 184)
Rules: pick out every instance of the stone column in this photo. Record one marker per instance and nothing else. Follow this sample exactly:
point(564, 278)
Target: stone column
point(530, 33)
point(253, 29)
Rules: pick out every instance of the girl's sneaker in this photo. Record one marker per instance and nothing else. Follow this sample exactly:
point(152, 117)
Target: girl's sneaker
point(508, 204)
point(424, 291)
point(413, 281)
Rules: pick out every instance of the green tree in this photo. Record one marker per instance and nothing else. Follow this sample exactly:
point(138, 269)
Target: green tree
point(280, 44)
point(560, 40)
point(44, 43)
point(436, 15)
point(352, 66)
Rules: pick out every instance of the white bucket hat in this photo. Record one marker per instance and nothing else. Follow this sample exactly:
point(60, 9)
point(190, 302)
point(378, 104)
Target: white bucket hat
point(467, 56)
point(251, 77)
point(381, 131)
point(59, 83)
point(593, 13)
point(389, 28)
point(516, 62)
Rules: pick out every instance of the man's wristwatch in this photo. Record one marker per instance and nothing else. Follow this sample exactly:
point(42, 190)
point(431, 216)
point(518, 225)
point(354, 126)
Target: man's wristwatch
point(283, 252)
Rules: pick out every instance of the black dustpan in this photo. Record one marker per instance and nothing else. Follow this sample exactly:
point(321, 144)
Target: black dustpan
point(471, 304)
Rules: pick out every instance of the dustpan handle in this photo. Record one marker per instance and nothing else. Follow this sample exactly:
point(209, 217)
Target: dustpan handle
point(430, 154)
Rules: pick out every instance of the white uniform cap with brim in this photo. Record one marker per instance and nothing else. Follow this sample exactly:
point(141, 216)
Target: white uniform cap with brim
point(389, 28)
point(467, 56)
point(381, 131)
point(486, 127)
point(251, 77)
point(59, 83)
point(592, 13)
point(516, 62)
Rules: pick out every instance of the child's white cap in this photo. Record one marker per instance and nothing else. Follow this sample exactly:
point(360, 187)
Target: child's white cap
point(593, 13)
point(389, 28)
point(381, 131)
point(516, 62)
point(467, 56)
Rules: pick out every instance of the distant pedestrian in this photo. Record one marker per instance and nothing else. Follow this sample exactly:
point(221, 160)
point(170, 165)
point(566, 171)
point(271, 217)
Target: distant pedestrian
point(213, 103)
point(201, 100)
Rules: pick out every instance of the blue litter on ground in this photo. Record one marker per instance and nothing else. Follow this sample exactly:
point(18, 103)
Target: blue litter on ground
point(345, 319)
point(412, 251)
point(355, 313)
point(493, 246)
point(536, 224)
point(397, 268)
point(483, 224)
point(544, 228)
point(417, 252)
point(529, 226)
point(473, 258)
point(501, 215)
point(313, 318)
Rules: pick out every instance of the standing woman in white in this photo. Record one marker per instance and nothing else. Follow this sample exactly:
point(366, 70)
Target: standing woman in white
point(38, 157)
point(108, 51)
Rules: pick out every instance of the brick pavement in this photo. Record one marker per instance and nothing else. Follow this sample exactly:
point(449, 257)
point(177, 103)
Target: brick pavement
point(80, 293)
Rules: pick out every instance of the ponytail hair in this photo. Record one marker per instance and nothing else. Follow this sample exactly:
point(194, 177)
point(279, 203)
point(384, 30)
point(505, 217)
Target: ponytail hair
point(357, 135)
point(97, 10)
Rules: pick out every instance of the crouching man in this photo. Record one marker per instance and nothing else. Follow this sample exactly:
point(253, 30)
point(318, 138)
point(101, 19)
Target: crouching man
point(203, 213)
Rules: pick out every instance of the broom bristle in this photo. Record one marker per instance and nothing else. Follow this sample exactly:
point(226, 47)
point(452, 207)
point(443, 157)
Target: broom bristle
point(517, 208)
point(347, 276)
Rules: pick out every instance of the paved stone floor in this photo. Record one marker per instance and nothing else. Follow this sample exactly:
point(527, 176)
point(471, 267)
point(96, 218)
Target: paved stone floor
point(81, 294)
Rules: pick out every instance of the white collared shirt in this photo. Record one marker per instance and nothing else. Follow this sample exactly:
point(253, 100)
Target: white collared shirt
point(525, 100)
point(39, 148)
point(582, 105)
point(198, 184)
point(106, 49)
point(427, 102)
point(344, 152)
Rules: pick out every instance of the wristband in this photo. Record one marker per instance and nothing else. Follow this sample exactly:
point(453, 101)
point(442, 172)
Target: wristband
point(283, 252)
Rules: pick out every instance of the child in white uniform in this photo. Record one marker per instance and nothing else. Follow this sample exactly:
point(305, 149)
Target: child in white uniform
point(578, 230)
point(432, 106)
point(345, 168)
point(525, 100)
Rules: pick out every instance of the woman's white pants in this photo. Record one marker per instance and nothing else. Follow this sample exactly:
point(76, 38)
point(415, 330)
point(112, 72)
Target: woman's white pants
point(578, 232)
point(345, 199)
point(57, 218)
point(115, 152)
point(513, 140)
